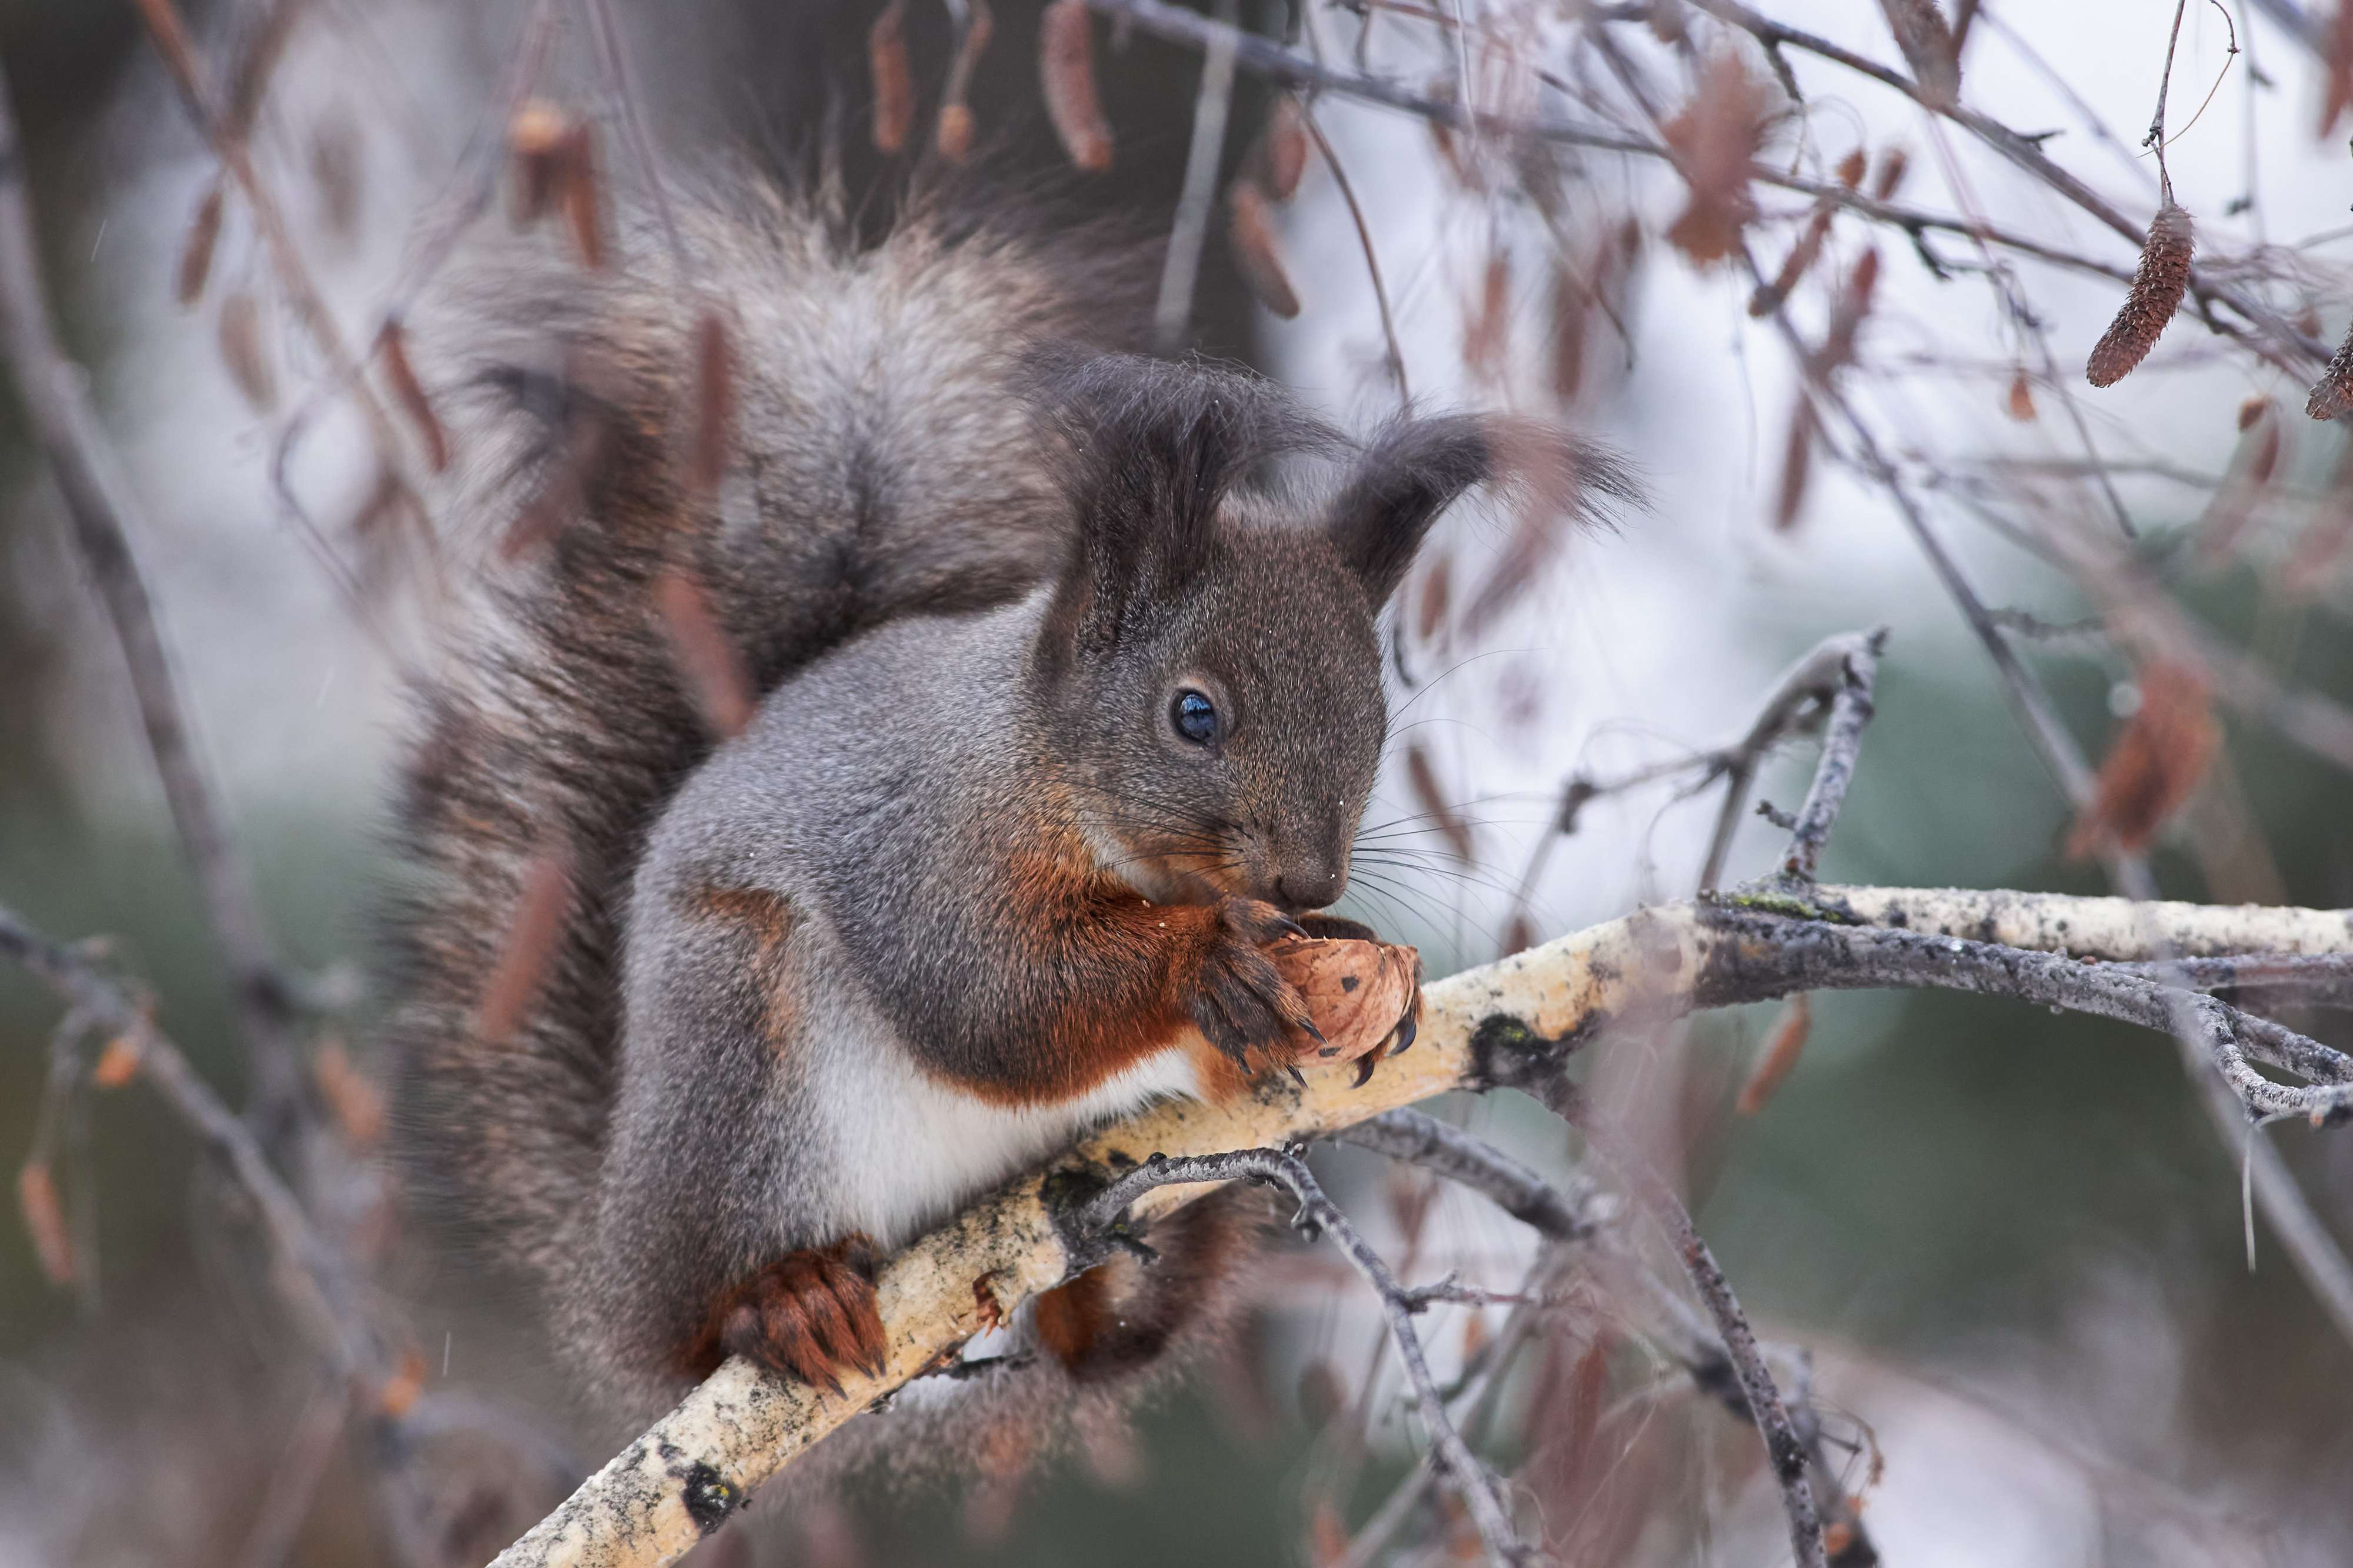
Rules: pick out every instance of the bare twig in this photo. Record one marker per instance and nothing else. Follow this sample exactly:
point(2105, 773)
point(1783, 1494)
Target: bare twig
point(1394, 355)
point(107, 514)
point(1481, 1492)
point(170, 33)
point(1786, 1452)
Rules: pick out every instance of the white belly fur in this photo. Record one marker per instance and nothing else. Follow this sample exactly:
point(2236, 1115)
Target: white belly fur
point(910, 1150)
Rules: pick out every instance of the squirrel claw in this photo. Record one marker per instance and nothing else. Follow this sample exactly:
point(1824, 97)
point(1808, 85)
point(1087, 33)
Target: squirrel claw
point(809, 1315)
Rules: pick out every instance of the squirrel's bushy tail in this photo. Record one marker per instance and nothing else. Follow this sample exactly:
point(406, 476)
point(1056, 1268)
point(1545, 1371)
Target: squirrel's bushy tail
point(881, 464)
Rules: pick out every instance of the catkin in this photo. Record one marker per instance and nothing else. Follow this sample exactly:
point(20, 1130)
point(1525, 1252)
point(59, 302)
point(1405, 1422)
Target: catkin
point(895, 78)
point(1066, 66)
point(2155, 294)
point(2332, 395)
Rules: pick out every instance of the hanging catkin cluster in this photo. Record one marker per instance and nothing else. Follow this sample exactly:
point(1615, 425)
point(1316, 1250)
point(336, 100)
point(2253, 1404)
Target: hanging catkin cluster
point(2157, 292)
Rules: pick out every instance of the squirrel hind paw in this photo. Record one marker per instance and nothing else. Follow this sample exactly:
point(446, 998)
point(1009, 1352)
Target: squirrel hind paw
point(809, 1315)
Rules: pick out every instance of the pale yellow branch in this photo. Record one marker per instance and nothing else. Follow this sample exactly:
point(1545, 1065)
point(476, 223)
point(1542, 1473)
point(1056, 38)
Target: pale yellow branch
point(656, 1497)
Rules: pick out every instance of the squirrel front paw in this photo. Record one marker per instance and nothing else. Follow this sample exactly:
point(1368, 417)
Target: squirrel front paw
point(809, 1315)
point(1242, 1003)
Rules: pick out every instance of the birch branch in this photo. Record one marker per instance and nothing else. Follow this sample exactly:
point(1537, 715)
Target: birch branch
point(1514, 1021)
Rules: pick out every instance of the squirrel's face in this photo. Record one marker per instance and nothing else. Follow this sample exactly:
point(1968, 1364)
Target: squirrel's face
point(1209, 664)
point(1225, 742)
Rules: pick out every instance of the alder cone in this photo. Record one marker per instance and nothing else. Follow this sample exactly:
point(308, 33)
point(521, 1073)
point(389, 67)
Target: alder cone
point(2332, 396)
point(1357, 991)
point(2155, 294)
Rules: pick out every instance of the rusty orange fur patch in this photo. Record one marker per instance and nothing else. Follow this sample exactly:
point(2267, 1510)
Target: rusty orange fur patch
point(768, 919)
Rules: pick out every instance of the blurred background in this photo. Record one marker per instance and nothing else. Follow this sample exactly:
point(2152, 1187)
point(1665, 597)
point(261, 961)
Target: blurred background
point(2012, 1242)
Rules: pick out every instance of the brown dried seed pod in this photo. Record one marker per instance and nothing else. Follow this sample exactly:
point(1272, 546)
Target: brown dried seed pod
point(1286, 147)
point(352, 1099)
point(196, 251)
point(1422, 774)
point(709, 664)
point(2337, 68)
point(1796, 465)
point(1484, 333)
point(1066, 67)
point(45, 1221)
point(1850, 169)
point(243, 350)
point(2020, 402)
point(393, 349)
point(1571, 303)
point(2156, 293)
point(1249, 227)
point(956, 132)
point(1893, 166)
point(955, 127)
point(2155, 764)
point(714, 402)
point(1437, 586)
point(118, 1064)
point(1854, 306)
point(2332, 395)
point(543, 903)
point(538, 138)
point(1768, 297)
point(895, 78)
point(1780, 1054)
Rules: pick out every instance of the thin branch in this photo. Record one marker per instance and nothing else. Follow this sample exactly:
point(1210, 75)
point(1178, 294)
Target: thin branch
point(170, 33)
point(1395, 355)
point(1783, 1448)
point(107, 514)
point(2156, 137)
point(1520, 1018)
point(1482, 1491)
point(316, 1284)
point(1851, 710)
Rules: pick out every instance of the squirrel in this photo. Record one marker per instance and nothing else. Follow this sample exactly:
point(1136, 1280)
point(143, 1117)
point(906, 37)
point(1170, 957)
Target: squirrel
point(1065, 714)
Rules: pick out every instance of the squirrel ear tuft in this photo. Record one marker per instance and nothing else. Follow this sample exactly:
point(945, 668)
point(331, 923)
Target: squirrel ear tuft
point(1148, 450)
point(1413, 471)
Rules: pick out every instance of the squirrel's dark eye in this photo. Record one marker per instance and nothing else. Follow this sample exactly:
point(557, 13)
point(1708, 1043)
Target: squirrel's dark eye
point(1195, 716)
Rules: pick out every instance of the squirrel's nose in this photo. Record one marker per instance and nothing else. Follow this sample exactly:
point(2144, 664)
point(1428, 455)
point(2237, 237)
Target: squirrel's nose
point(1309, 887)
